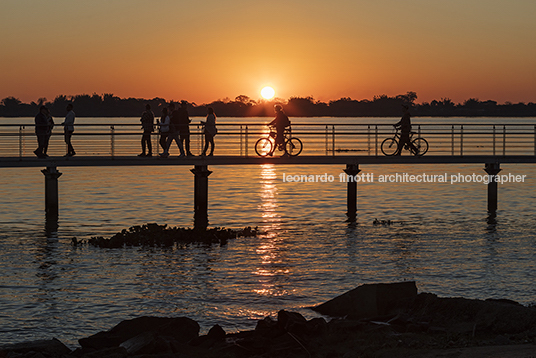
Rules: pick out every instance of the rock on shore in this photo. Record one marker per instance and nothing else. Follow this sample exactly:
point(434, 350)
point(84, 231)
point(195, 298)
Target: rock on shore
point(407, 325)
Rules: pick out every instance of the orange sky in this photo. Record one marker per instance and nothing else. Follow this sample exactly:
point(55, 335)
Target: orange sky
point(203, 50)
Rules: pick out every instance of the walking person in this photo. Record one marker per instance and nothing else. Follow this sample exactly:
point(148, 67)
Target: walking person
point(68, 129)
point(147, 124)
point(184, 127)
point(210, 131)
point(173, 133)
point(164, 127)
point(41, 131)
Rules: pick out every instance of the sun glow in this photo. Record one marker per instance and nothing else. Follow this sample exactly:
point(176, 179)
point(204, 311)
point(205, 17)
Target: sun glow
point(267, 93)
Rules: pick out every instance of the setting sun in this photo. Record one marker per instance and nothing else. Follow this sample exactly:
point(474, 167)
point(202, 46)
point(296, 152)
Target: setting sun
point(267, 92)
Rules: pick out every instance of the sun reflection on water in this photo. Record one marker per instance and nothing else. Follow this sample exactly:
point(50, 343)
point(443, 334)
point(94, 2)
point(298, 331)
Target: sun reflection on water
point(271, 249)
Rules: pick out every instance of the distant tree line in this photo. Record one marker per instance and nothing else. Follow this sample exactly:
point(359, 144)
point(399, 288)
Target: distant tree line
point(108, 105)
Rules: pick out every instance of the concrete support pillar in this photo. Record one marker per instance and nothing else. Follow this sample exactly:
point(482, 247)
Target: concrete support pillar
point(51, 191)
point(351, 202)
point(201, 174)
point(492, 169)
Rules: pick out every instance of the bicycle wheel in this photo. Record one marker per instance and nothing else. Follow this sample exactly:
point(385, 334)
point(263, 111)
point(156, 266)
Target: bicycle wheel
point(293, 147)
point(264, 147)
point(389, 146)
point(421, 145)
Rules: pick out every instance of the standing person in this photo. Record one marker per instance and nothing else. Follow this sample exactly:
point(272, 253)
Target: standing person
point(164, 127)
point(41, 131)
point(68, 129)
point(210, 131)
point(405, 128)
point(50, 127)
point(173, 133)
point(147, 124)
point(184, 127)
point(280, 122)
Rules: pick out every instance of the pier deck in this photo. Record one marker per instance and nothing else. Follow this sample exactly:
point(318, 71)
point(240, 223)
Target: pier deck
point(102, 161)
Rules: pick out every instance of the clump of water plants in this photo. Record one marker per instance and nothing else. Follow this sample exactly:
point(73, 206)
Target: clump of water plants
point(155, 235)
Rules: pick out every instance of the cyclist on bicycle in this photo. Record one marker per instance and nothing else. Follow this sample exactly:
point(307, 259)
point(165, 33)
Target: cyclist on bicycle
point(280, 122)
point(405, 129)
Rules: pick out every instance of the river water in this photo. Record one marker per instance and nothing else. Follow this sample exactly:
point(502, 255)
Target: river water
point(440, 235)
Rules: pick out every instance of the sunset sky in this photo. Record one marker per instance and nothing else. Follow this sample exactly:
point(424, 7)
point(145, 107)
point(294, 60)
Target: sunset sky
point(204, 50)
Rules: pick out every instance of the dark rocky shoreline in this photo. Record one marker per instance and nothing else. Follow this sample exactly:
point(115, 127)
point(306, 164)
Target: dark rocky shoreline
point(383, 320)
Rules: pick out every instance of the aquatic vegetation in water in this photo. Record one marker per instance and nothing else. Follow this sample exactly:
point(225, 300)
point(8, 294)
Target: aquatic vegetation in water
point(152, 234)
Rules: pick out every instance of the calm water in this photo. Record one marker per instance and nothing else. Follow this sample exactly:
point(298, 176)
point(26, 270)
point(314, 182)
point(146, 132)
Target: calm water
point(442, 237)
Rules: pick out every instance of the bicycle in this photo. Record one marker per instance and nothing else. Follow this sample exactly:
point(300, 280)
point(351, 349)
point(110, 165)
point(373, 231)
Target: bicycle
point(291, 145)
point(418, 148)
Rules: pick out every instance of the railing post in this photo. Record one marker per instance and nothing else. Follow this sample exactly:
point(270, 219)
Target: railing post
point(246, 142)
point(200, 138)
point(112, 141)
point(368, 135)
point(461, 140)
point(376, 144)
point(241, 144)
point(504, 139)
point(419, 130)
point(493, 139)
point(156, 142)
point(333, 140)
point(327, 140)
point(452, 145)
point(20, 141)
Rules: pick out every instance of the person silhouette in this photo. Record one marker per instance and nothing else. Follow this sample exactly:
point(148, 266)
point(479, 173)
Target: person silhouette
point(68, 129)
point(50, 127)
point(210, 131)
point(41, 131)
point(280, 122)
point(147, 124)
point(164, 127)
point(405, 129)
point(173, 133)
point(184, 127)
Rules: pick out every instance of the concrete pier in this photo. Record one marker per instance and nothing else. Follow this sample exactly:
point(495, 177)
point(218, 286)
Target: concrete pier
point(201, 174)
point(351, 201)
point(51, 191)
point(492, 169)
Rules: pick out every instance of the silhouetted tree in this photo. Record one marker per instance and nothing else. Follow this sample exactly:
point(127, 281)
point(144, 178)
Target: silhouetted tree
point(108, 105)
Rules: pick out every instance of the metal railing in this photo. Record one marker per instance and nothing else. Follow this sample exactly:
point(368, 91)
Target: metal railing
point(238, 139)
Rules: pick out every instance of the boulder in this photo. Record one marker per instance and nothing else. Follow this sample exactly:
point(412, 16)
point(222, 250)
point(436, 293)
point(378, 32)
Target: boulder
point(181, 329)
point(370, 300)
point(115, 352)
point(216, 333)
point(214, 336)
point(292, 322)
point(136, 344)
point(49, 348)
